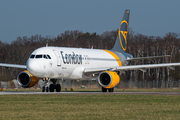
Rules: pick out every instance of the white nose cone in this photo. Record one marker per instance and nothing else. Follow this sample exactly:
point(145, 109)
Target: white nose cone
point(32, 67)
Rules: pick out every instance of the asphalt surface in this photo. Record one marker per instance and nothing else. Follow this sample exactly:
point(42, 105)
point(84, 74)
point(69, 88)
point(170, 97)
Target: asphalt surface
point(86, 93)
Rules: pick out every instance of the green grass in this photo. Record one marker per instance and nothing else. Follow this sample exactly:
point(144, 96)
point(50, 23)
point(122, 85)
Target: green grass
point(99, 90)
point(80, 107)
point(132, 90)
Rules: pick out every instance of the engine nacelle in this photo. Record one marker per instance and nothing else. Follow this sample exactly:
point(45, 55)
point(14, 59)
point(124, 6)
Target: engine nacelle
point(26, 79)
point(108, 79)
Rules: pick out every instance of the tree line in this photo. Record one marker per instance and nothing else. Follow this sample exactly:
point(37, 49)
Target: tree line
point(18, 51)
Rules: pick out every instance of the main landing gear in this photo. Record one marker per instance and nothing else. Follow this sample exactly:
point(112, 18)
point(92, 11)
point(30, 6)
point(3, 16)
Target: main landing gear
point(105, 89)
point(53, 86)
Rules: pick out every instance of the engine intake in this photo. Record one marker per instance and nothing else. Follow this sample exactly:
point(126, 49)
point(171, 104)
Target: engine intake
point(26, 79)
point(108, 79)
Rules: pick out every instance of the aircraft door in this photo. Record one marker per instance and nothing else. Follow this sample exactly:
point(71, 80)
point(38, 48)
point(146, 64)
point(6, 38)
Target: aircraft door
point(58, 57)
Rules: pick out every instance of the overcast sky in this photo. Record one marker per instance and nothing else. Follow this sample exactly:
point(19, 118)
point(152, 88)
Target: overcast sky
point(52, 17)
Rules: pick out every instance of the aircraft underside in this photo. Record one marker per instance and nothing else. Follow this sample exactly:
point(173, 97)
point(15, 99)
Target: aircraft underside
point(107, 79)
point(53, 87)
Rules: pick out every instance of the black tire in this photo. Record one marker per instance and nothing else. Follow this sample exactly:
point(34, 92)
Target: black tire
point(104, 89)
point(111, 90)
point(47, 89)
point(58, 88)
point(51, 88)
point(43, 89)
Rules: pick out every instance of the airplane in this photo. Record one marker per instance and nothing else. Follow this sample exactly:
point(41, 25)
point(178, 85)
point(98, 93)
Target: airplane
point(64, 63)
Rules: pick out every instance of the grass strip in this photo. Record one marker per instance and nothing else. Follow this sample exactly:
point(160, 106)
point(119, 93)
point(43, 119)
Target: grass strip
point(73, 107)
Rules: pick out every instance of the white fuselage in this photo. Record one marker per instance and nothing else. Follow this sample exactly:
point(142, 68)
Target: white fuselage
point(69, 63)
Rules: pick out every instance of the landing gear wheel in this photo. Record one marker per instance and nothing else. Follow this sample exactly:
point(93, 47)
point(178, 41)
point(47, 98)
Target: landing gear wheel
point(47, 89)
point(58, 88)
point(111, 90)
point(51, 88)
point(43, 89)
point(104, 89)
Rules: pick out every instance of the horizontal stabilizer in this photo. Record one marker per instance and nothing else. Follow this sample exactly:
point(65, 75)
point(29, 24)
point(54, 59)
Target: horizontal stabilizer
point(171, 67)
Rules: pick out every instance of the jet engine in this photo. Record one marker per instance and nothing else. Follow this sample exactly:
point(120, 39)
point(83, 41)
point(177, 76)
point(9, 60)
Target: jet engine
point(26, 79)
point(108, 79)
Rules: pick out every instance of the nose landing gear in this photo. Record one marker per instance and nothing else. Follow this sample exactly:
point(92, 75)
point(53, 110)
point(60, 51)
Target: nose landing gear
point(52, 86)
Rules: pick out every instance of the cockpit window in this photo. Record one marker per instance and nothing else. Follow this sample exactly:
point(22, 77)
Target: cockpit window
point(38, 56)
point(32, 56)
point(48, 56)
point(45, 56)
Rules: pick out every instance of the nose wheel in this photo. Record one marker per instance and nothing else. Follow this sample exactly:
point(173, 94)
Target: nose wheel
point(45, 88)
point(53, 86)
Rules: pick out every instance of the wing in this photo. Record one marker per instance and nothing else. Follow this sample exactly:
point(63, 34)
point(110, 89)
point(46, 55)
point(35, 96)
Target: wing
point(149, 57)
point(13, 65)
point(132, 67)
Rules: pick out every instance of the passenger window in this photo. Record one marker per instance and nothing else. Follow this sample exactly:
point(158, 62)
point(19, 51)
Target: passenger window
point(49, 57)
point(38, 56)
point(32, 56)
point(45, 56)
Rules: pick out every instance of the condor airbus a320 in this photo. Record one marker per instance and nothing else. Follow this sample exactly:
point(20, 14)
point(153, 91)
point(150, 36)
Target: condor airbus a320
point(62, 63)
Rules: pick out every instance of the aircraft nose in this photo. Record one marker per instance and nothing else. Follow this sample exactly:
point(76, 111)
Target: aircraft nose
point(32, 66)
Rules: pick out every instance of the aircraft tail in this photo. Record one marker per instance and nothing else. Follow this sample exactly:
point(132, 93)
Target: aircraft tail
point(121, 40)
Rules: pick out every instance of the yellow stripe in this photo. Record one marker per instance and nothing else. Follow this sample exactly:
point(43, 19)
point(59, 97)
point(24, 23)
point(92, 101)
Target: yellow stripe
point(115, 56)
